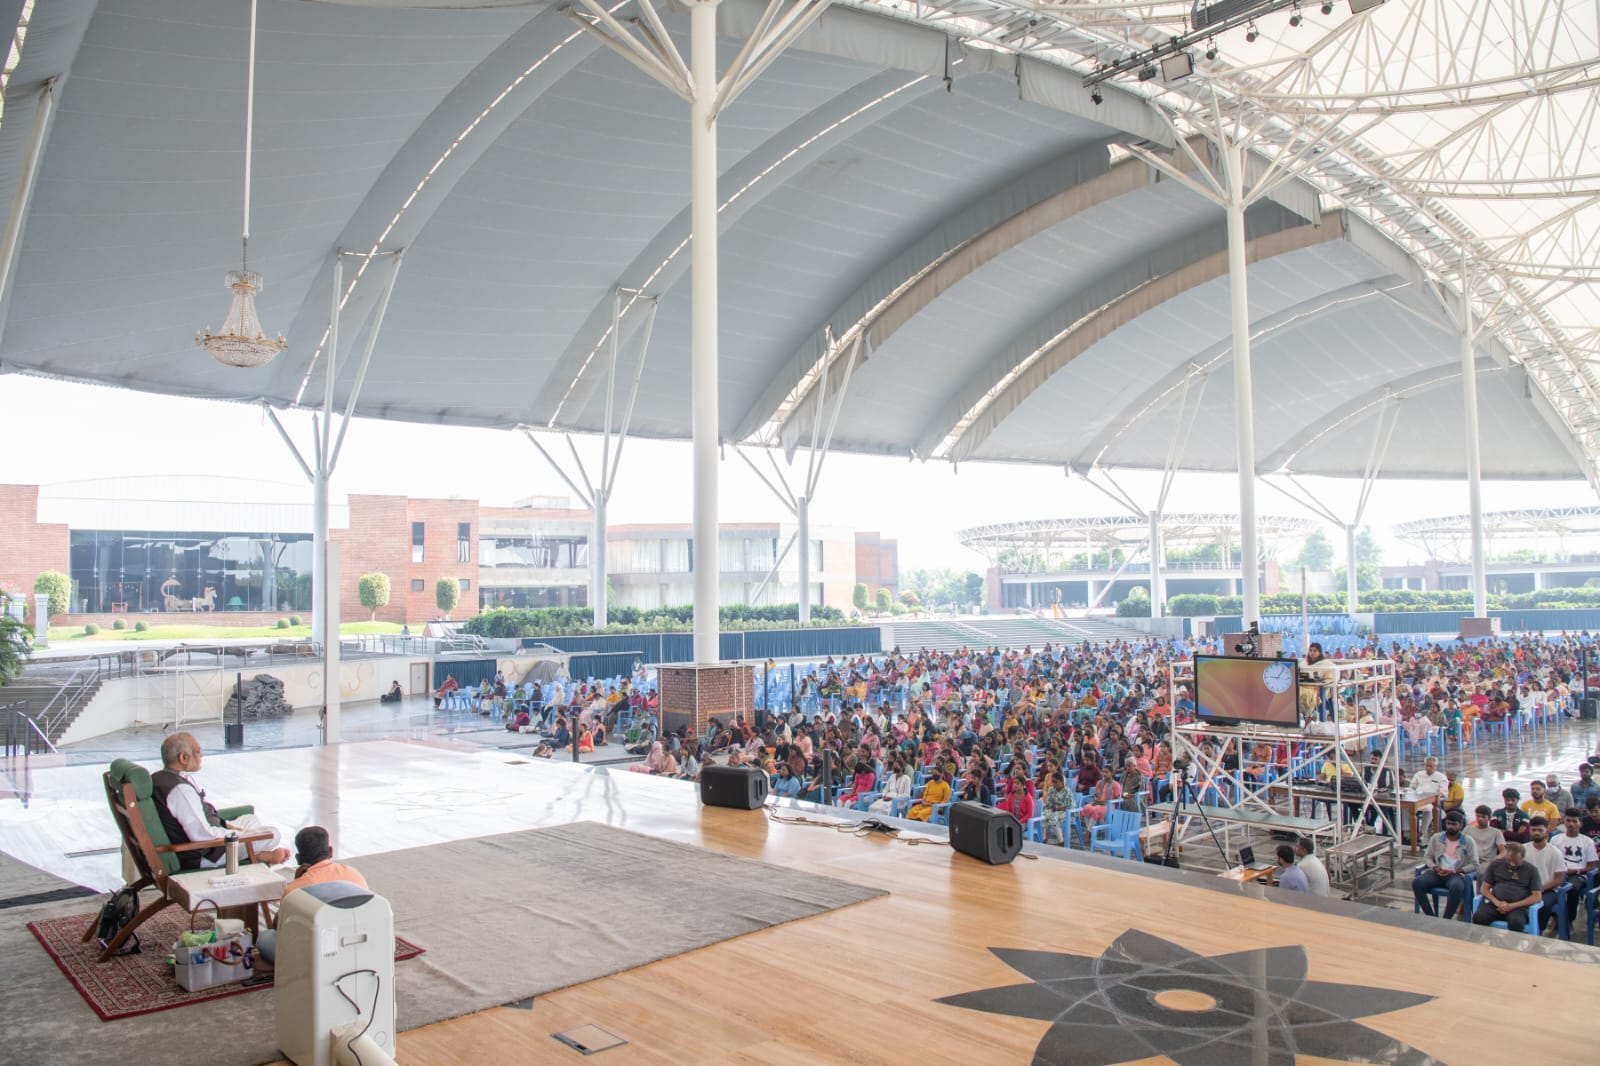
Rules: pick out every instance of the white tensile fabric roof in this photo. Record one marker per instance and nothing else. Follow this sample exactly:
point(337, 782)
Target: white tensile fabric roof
point(934, 177)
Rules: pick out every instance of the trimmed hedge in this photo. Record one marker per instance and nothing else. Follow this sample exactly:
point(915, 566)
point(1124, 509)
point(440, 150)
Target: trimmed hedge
point(506, 622)
point(1387, 600)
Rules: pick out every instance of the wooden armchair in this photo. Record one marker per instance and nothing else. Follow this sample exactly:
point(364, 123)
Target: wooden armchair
point(133, 808)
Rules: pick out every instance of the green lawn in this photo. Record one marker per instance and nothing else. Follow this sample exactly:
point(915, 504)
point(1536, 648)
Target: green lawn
point(195, 632)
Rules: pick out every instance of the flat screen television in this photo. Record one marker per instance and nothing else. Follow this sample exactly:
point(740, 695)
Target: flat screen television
point(1230, 690)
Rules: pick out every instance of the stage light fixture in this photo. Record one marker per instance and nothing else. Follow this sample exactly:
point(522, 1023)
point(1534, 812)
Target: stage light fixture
point(1211, 48)
point(1147, 72)
point(1358, 6)
point(1177, 66)
point(1096, 97)
point(1295, 16)
point(1327, 7)
point(1252, 33)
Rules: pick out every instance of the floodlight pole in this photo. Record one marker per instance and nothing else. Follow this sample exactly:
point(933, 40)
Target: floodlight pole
point(1243, 393)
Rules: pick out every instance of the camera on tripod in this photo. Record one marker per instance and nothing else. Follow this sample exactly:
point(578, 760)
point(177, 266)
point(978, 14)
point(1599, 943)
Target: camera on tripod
point(1250, 645)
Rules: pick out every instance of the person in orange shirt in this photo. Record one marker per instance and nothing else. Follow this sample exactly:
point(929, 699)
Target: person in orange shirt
point(313, 855)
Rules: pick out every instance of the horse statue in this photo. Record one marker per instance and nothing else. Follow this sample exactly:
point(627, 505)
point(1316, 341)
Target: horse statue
point(208, 602)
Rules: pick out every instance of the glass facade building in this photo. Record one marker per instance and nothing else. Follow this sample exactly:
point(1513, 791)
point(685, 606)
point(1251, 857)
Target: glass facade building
point(140, 570)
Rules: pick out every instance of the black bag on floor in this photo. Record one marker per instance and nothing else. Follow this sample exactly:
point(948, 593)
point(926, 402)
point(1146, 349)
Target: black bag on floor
point(117, 912)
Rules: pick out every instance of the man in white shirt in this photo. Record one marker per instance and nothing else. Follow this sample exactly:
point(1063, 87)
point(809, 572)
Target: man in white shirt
point(188, 818)
point(1431, 785)
point(1548, 862)
point(1579, 859)
point(1316, 873)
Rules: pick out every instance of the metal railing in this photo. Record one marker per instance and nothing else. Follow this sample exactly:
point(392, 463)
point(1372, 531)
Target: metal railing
point(22, 734)
point(62, 707)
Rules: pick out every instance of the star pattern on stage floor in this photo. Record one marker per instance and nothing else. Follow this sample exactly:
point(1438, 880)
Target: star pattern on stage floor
point(1146, 996)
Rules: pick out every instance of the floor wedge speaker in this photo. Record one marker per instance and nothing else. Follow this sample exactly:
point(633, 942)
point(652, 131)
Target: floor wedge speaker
point(985, 833)
point(742, 787)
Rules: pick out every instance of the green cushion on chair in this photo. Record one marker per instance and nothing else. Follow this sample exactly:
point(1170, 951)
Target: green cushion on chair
point(127, 771)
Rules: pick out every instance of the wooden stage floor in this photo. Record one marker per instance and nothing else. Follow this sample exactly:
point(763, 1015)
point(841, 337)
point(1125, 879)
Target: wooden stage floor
point(1128, 965)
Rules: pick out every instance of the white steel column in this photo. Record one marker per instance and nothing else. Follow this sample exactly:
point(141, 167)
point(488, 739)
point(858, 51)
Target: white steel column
point(802, 514)
point(597, 565)
point(703, 324)
point(328, 615)
point(1469, 404)
point(1157, 549)
point(1351, 589)
point(1243, 393)
point(319, 552)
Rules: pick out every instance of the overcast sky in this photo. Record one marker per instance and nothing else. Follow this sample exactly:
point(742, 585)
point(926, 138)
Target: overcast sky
point(64, 432)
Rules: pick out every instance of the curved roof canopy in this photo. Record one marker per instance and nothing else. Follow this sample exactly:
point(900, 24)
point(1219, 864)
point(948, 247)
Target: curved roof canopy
point(933, 178)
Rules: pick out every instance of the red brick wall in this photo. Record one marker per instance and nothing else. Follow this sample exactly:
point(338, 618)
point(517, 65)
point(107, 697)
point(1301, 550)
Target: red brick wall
point(379, 540)
point(30, 548)
point(698, 694)
point(439, 556)
point(878, 563)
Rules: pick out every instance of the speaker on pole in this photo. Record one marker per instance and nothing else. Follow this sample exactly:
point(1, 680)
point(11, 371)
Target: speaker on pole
point(741, 787)
point(985, 833)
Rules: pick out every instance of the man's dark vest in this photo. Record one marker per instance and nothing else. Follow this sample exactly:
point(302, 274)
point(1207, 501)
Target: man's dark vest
point(162, 782)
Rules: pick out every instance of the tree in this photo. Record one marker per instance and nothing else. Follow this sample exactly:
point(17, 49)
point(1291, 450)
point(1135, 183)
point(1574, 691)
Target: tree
point(58, 587)
point(12, 649)
point(1316, 554)
point(885, 601)
point(910, 599)
point(374, 592)
point(974, 589)
point(858, 596)
point(1136, 605)
point(447, 593)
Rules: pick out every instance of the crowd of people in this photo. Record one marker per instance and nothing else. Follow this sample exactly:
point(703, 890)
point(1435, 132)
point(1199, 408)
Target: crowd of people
point(1025, 729)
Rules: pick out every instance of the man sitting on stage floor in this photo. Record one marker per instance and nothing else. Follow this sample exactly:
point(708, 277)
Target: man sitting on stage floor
point(188, 818)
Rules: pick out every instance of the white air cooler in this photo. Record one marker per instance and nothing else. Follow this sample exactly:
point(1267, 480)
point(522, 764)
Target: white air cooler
point(327, 934)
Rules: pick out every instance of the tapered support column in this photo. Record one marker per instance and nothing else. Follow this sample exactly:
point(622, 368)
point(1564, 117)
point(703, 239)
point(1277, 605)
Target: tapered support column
point(703, 324)
point(1469, 421)
point(802, 513)
point(1157, 549)
point(1243, 392)
point(328, 615)
point(597, 563)
point(1351, 589)
point(319, 556)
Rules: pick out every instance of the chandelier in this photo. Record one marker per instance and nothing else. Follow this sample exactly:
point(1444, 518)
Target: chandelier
point(242, 342)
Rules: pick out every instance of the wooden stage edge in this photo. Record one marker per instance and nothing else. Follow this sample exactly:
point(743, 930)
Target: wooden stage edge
point(861, 985)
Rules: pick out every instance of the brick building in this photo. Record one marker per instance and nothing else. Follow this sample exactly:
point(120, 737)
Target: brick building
point(242, 549)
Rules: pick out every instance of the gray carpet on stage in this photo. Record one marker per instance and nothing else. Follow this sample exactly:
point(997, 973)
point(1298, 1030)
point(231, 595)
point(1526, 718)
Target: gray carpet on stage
point(502, 918)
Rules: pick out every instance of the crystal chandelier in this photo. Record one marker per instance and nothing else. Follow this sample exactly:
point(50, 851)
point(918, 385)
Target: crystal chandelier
point(242, 342)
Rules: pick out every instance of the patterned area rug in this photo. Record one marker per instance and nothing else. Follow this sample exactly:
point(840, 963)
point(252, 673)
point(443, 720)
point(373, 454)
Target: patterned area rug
point(129, 985)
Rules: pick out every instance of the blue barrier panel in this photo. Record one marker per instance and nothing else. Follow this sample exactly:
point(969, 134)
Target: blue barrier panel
point(754, 644)
point(467, 672)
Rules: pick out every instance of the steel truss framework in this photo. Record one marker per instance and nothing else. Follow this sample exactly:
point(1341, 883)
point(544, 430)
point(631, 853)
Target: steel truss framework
point(1049, 538)
point(1444, 537)
point(1363, 681)
point(1465, 130)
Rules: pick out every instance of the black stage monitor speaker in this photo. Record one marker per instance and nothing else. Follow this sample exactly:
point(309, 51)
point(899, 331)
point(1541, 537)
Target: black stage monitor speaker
point(1589, 708)
point(985, 833)
point(742, 787)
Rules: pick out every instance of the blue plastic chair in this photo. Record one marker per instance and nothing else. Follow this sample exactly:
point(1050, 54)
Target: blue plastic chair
point(1531, 928)
point(1441, 899)
point(1118, 835)
point(1035, 829)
